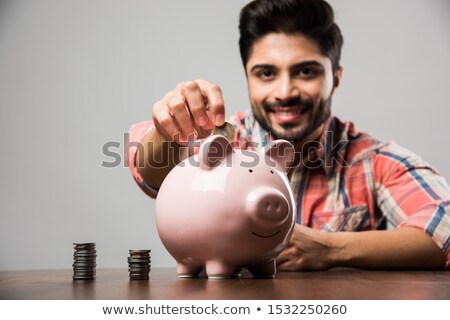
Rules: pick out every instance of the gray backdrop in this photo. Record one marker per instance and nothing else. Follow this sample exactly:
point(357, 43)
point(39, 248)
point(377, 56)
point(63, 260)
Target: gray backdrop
point(76, 74)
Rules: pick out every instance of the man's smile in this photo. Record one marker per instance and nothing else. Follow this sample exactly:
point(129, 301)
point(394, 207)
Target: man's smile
point(288, 114)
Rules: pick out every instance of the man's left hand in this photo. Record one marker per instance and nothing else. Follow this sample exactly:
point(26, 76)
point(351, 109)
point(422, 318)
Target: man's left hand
point(308, 249)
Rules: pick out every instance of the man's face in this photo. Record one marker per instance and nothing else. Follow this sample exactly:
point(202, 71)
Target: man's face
point(290, 85)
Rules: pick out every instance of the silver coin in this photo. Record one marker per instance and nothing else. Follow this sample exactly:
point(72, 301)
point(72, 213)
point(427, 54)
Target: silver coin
point(86, 260)
point(78, 246)
point(227, 130)
point(142, 266)
point(141, 257)
point(139, 265)
point(140, 274)
point(84, 253)
point(83, 275)
point(84, 265)
point(138, 260)
point(84, 272)
point(138, 251)
point(138, 269)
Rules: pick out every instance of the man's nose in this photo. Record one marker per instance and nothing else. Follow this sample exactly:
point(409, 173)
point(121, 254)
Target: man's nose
point(286, 89)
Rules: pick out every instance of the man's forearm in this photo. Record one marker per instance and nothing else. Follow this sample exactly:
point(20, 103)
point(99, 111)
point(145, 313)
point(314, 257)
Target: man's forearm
point(402, 248)
point(157, 157)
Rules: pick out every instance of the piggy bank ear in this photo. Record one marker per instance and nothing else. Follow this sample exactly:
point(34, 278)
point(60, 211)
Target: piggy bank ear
point(213, 151)
point(280, 154)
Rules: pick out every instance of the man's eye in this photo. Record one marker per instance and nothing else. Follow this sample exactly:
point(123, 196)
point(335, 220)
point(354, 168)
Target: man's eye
point(307, 73)
point(265, 74)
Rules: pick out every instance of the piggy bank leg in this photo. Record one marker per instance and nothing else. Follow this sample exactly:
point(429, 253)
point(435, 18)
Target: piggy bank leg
point(219, 270)
point(188, 270)
point(265, 269)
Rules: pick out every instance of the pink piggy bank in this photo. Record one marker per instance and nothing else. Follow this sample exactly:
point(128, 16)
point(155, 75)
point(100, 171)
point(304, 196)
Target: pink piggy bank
point(226, 209)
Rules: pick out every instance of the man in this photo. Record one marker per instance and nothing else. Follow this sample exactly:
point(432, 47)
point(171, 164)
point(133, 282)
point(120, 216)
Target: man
point(342, 179)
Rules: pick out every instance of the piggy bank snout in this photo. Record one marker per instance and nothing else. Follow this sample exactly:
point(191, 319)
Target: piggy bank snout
point(268, 207)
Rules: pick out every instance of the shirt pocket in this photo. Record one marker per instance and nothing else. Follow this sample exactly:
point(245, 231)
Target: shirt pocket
point(349, 219)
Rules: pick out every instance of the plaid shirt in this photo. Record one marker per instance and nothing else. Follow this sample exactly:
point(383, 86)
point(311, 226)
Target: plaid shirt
point(352, 182)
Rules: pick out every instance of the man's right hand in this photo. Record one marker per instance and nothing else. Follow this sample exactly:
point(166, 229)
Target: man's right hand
point(180, 116)
point(190, 111)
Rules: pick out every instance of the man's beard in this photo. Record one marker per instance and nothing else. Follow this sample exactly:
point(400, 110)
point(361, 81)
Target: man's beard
point(316, 116)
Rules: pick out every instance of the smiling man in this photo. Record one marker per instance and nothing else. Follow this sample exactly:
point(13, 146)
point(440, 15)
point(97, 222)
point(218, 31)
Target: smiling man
point(342, 179)
point(290, 85)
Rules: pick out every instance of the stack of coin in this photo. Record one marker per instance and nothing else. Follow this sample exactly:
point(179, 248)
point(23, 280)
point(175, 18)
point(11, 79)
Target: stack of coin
point(84, 261)
point(139, 264)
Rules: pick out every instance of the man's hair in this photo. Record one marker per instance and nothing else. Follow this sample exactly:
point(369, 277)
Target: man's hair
point(311, 18)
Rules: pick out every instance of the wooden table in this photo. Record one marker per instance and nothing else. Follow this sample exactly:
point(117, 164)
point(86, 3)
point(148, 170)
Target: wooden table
point(112, 284)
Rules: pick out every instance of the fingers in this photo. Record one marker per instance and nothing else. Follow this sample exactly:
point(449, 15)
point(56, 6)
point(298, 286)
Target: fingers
point(182, 114)
point(164, 122)
point(214, 96)
point(287, 266)
point(195, 100)
point(286, 260)
point(285, 255)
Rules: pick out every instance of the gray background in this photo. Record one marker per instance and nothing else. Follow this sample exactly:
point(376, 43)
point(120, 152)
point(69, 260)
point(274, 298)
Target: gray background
point(76, 74)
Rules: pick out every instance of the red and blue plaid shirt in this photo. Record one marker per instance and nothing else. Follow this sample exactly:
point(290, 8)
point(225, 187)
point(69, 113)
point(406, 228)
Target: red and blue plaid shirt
point(352, 182)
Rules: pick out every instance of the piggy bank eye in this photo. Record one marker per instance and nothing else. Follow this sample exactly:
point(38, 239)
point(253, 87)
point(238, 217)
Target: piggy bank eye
point(250, 170)
point(271, 171)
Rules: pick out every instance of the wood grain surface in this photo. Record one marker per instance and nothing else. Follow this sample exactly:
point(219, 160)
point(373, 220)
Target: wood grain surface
point(113, 284)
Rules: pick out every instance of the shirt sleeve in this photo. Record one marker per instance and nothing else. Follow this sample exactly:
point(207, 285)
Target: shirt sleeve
point(135, 136)
point(411, 193)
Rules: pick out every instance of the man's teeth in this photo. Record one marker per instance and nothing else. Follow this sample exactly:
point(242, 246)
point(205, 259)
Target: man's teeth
point(288, 112)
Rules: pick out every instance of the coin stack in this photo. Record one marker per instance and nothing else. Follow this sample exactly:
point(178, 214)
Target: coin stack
point(84, 261)
point(139, 264)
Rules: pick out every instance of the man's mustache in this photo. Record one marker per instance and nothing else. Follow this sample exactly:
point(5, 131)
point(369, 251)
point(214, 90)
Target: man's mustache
point(294, 102)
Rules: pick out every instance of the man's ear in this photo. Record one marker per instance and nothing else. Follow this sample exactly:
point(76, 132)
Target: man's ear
point(337, 78)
